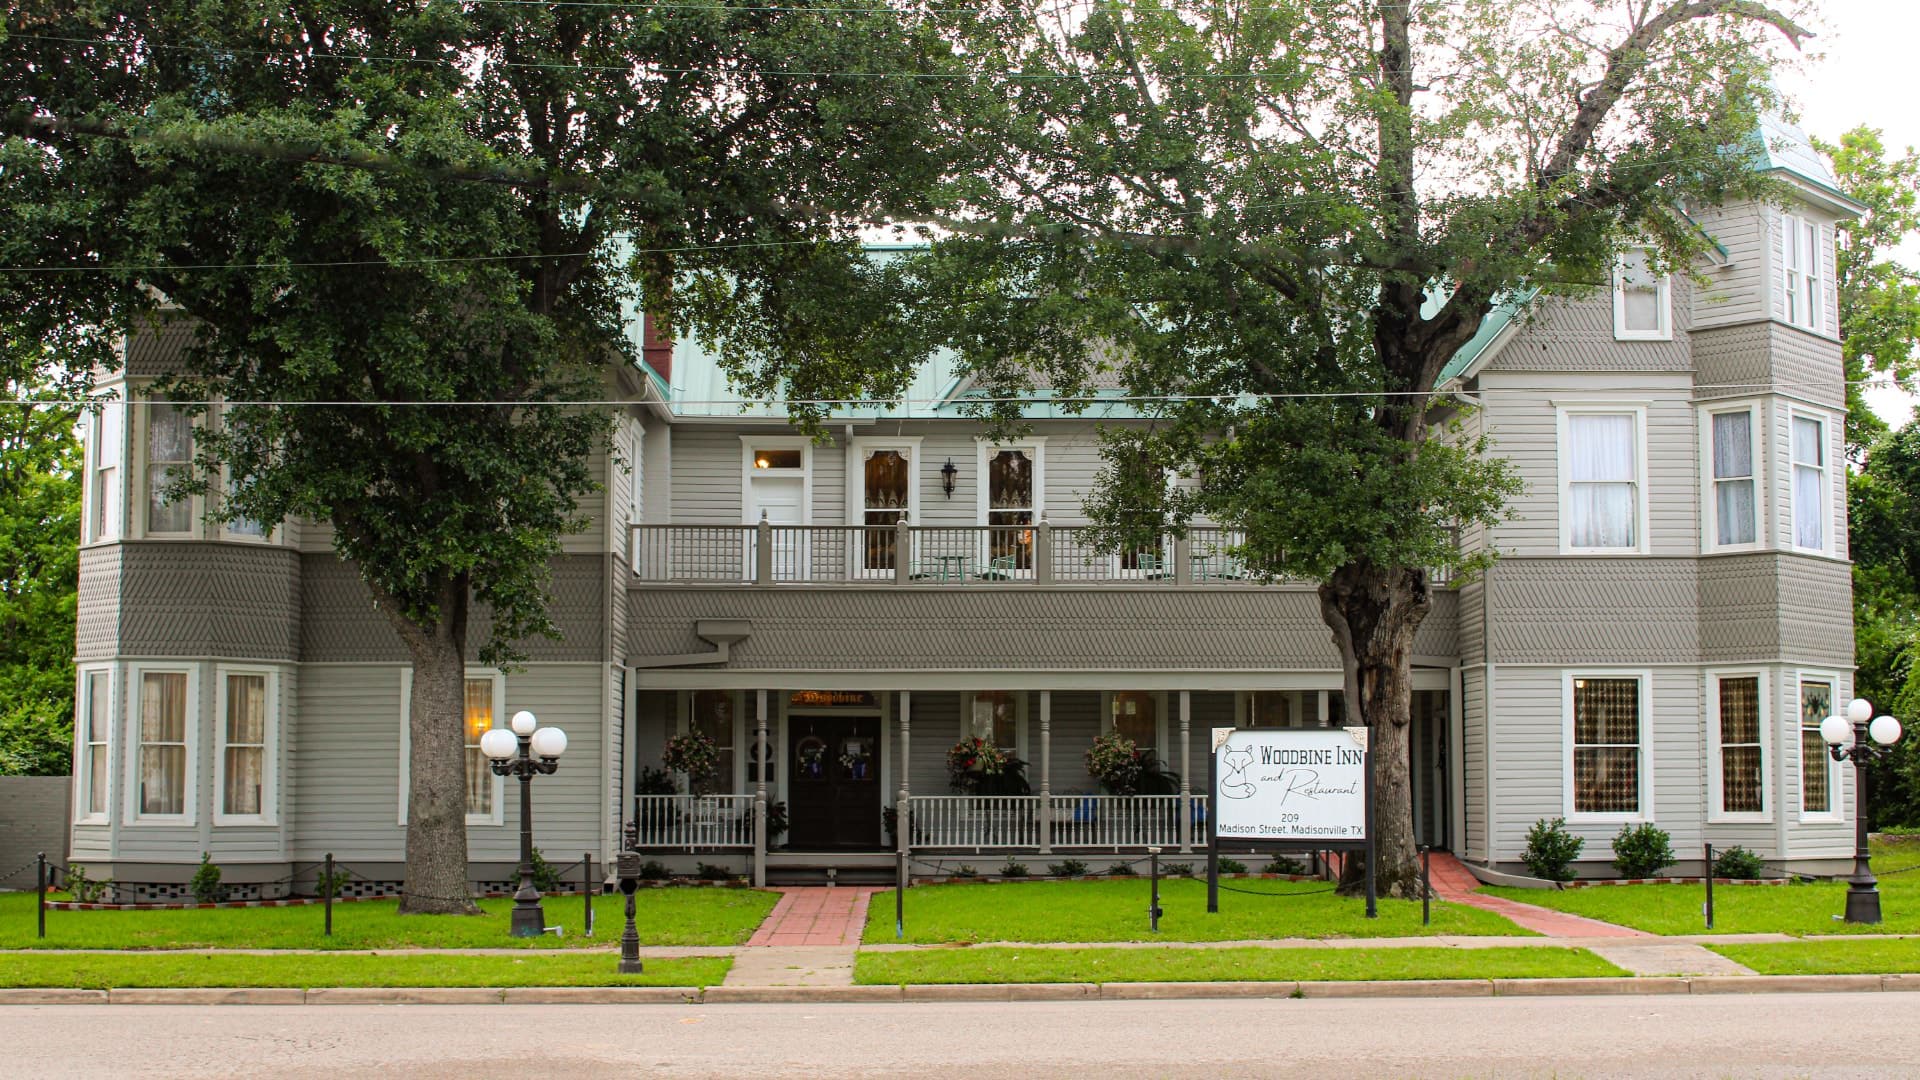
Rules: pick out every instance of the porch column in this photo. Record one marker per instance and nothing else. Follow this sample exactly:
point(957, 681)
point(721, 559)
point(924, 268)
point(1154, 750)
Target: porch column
point(765, 755)
point(1046, 772)
point(1186, 772)
point(901, 827)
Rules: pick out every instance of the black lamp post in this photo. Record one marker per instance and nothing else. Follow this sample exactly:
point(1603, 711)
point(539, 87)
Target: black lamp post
point(1863, 897)
point(532, 741)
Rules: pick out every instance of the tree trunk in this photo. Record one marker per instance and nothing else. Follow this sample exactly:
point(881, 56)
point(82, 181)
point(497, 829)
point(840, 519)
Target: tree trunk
point(436, 874)
point(1373, 613)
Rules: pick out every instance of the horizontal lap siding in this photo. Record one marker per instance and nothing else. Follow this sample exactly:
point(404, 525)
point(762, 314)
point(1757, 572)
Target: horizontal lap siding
point(566, 805)
point(591, 509)
point(936, 726)
point(706, 477)
point(1473, 756)
point(1737, 292)
point(1527, 732)
point(1076, 720)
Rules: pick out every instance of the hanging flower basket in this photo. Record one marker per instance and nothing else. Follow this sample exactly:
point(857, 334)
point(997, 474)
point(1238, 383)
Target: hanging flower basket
point(694, 754)
point(1117, 763)
point(973, 762)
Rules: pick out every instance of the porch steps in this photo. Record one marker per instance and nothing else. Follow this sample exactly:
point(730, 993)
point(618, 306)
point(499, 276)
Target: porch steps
point(830, 867)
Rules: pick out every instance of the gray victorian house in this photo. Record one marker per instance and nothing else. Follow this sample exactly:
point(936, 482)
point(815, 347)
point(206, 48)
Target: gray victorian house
point(1666, 626)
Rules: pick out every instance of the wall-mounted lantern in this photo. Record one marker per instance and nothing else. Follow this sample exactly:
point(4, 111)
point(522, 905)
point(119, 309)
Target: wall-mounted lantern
point(947, 473)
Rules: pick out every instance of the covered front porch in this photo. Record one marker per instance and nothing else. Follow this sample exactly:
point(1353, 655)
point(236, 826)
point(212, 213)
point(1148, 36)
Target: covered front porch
point(825, 772)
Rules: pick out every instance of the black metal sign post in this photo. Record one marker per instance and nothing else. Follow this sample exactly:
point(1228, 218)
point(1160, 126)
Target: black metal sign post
point(1213, 832)
point(1363, 847)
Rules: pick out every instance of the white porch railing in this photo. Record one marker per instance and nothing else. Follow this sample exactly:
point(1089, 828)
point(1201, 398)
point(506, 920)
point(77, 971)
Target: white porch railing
point(1116, 821)
point(693, 821)
point(974, 821)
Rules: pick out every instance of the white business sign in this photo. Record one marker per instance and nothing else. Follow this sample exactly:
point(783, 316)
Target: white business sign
point(1290, 784)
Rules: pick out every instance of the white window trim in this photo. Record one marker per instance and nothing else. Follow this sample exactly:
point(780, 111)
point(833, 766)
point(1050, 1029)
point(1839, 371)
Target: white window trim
point(269, 750)
point(190, 797)
point(1564, 474)
point(858, 450)
point(1645, 813)
point(1836, 802)
point(82, 775)
point(1020, 700)
point(1715, 765)
point(1036, 447)
point(1791, 225)
point(1161, 721)
point(1709, 509)
point(1663, 301)
point(96, 446)
point(1829, 537)
point(743, 737)
point(406, 740)
point(748, 443)
point(135, 483)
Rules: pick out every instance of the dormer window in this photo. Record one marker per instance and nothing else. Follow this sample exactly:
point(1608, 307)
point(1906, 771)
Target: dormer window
point(1642, 299)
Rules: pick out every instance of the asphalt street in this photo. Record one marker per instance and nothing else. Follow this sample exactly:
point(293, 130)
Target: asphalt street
point(1758, 1035)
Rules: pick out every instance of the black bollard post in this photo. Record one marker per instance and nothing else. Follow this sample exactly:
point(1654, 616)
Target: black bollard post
point(1709, 908)
point(900, 899)
point(327, 888)
point(1426, 885)
point(586, 890)
point(40, 886)
point(1153, 905)
point(630, 937)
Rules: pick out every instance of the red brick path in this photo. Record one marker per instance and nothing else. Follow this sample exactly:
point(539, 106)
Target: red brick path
point(1452, 881)
point(815, 916)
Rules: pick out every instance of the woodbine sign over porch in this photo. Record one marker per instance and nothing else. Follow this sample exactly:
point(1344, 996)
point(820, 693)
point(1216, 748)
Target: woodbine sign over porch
point(1291, 789)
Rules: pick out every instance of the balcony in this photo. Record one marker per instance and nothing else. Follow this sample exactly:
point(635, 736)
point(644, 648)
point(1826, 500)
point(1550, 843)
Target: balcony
point(929, 556)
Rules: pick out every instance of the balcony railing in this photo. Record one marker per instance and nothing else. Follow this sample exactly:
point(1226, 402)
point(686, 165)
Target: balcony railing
point(932, 555)
point(692, 821)
point(1091, 822)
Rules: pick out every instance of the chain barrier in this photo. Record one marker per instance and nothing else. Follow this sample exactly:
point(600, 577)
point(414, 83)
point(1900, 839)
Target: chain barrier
point(28, 865)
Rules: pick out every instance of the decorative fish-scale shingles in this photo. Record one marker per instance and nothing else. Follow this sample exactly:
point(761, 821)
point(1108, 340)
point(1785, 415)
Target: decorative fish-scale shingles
point(209, 600)
point(1593, 611)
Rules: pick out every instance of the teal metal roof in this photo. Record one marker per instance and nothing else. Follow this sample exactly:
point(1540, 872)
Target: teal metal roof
point(1495, 321)
point(1780, 145)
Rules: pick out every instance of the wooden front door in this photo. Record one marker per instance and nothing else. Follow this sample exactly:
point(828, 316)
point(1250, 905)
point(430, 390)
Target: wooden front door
point(833, 783)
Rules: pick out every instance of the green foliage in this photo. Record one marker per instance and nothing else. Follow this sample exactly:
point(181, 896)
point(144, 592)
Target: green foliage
point(1738, 862)
point(965, 870)
point(85, 889)
point(1232, 866)
point(652, 781)
point(205, 884)
point(1069, 868)
point(695, 754)
point(1551, 849)
point(777, 823)
point(1014, 869)
point(325, 884)
point(1642, 851)
point(1883, 502)
point(654, 870)
point(1178, 869)
point(1281, 864)
point(713, 872)
point(1121, 869)
point(546, 877)
point(1879, 296)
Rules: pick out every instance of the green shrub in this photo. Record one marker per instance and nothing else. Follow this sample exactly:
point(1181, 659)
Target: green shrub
point(325, 884)
point(546, 878)
point(1178, 869)
point(1738, 862)
point(1642, 851)
point(1281, 864)
point(965, 870)
point(1551, 849)
point(84, 889)
point(205, 884)
point(654, 870)
point(710, 872)
point(1232, 866)
point(1014, 869)
point(1070, 868)
point(1121, 869)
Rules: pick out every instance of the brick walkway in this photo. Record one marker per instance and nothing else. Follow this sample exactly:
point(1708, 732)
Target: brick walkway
point(815, 916)
point(1452, 881)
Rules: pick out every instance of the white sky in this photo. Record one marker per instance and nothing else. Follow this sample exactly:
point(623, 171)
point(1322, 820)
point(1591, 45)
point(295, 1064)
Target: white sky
point(1863, 73)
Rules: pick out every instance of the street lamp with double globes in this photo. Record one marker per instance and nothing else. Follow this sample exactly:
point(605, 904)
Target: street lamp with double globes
point(531, 741)
point(1863, 898)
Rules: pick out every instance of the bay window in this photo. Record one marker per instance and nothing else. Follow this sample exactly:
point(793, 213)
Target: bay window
point(246, 717)
point(169, 450)
point(1733, 517)
point(1605, 745)
point(1738, 755)
point(163, 781)
point(1602, 480)
point(93, 770)
point(1810, 486)
point(1816, 767)
point(1802, 253)
point(106, 441)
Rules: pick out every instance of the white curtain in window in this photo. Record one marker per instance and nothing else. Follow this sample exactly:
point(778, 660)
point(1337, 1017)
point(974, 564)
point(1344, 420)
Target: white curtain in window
point(246, 737)
point(169, 445)
point(1602, 477)
point(163, 736)
point(1734, 518)
point(1809, 478)
point(1639, 295)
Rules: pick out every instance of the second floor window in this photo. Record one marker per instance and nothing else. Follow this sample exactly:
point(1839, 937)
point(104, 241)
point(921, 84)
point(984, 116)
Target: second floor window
point(169, 449)
point(1601, 494)
point(1012, 503)
point(1802, 249)
point(1809, 483)
point(1734, 517)
point(108, 431)
point(1642, 305)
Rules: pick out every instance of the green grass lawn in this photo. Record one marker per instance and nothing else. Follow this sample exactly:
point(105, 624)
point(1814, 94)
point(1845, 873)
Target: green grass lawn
point(664, 917)
point(102, 971)
point(1743, 909)
point(994, 965)
point(1853, 956)
point(1116, 910)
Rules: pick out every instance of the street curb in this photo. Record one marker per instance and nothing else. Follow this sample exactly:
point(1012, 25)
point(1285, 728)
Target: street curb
point(964, 992)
